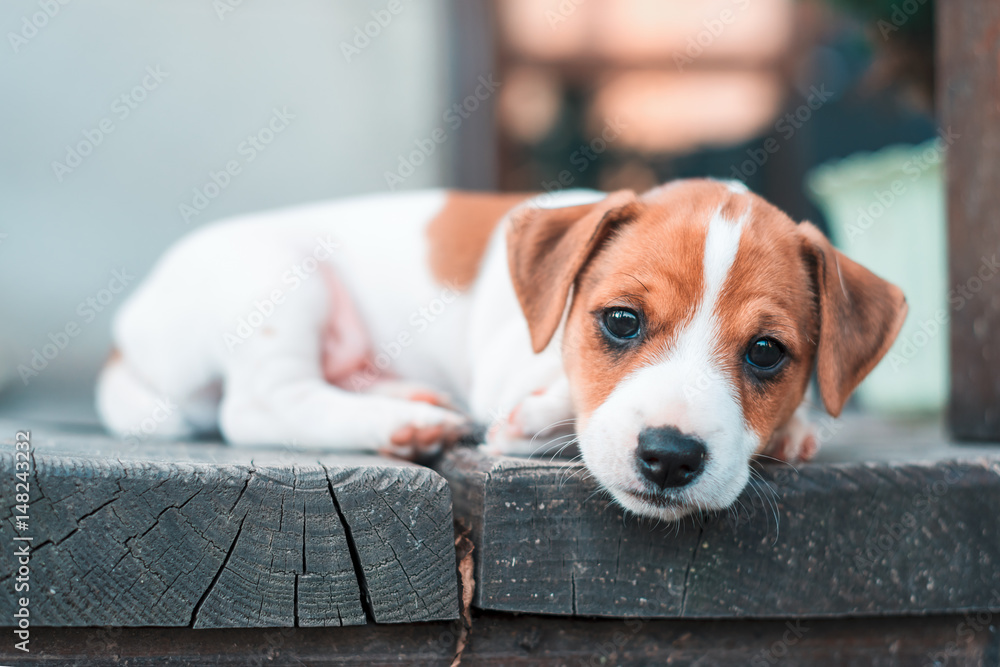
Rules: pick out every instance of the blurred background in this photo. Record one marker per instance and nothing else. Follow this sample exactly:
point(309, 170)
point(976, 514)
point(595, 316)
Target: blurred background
point(126, 125)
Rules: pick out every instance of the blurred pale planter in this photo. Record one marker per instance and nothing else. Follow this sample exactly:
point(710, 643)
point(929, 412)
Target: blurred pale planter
point(886, 211)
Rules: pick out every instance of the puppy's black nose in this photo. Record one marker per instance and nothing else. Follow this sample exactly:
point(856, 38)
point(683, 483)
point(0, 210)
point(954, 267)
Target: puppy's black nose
point(668, 458)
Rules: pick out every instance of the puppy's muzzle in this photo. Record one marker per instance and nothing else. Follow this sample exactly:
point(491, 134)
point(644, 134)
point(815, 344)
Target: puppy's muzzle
point(668, 458)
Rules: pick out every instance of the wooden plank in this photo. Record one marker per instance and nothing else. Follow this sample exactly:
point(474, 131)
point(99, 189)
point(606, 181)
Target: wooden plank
point(969, 104)
point(851, 539)
point(511, 641)
point(208, 536)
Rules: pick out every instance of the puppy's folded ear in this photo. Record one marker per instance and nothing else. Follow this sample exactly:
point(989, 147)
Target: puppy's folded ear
point(860, 316)
point(548, 247)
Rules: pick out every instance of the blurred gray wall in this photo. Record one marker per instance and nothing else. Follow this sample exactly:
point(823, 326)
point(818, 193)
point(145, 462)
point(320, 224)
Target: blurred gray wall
point(221, 74)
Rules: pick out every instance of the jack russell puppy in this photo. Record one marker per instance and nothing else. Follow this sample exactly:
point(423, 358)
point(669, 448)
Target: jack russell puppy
point(675, 330)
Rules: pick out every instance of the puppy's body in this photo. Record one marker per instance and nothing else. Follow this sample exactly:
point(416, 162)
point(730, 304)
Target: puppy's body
point(361, 294)
point(347, 324)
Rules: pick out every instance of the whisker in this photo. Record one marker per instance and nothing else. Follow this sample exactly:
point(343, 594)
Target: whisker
point(549, 443)
point(582, 470)
point(765, 456)
point(596, 492)
point(543, 445)
point(771, 497)
point(763, 503)
point(563, 448)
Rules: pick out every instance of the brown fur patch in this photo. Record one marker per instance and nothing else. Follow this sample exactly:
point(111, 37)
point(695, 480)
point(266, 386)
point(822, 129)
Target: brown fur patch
point(460, 232)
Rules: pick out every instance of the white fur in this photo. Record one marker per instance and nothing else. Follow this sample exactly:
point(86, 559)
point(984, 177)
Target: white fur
point(736, 187)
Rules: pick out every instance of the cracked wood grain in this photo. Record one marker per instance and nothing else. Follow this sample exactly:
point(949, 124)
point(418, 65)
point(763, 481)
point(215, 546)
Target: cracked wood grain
point(113, 538)
point(149, 541)
point(404, 541)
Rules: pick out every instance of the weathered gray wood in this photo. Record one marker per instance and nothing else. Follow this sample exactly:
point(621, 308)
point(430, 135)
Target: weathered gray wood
point(136, 536)
point(969, 103)
point(852, 538)
point(503, 640)
point(268, 579)
point(402, 529)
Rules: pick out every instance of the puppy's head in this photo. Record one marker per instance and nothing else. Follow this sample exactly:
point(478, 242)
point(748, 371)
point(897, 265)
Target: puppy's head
point(694, 317)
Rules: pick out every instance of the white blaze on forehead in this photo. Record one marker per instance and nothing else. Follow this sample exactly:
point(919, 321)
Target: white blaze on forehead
point(686, 388)
point(721, 244)
point(697, 340)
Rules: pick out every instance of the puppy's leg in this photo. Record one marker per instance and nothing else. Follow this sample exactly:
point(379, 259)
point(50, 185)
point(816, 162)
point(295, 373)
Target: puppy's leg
point(795, 441)
point(132, 408)
point(541, 423)
point(411, 391)
point(522, 397)
point(275, 392)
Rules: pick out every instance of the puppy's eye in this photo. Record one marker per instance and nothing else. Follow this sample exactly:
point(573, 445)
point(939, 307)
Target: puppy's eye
point(621, 323)
point(765, 354)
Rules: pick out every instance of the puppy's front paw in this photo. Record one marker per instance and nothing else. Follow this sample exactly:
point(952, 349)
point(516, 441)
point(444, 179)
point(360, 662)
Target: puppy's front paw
point(424, 431)
point(540, 423)
point(795, 441)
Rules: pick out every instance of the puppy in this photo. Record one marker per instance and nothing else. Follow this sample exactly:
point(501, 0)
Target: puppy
point(675, 330)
